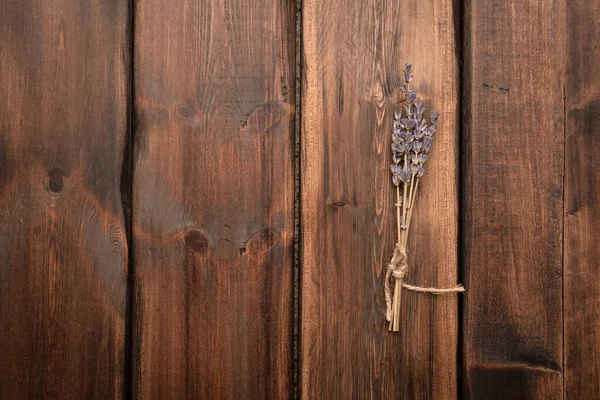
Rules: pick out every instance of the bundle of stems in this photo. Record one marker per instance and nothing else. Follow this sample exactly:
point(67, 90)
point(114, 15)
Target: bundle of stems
point(411, 141)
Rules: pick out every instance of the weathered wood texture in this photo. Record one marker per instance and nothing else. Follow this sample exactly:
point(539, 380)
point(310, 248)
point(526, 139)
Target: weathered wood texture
point(353, 55)
point(63, 247)
point(213, 198)
point(513, 163)
point(582, 199)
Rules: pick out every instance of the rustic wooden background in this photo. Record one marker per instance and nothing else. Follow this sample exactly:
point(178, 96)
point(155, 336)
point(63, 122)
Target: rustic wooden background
point(195, 199)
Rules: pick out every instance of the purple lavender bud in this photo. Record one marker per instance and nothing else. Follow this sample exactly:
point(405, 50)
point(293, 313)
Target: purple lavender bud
point(407, 137)
point(419, 134)
point(423, 158)
point(420, 172)
point(434, 116)
point(411, 96)
point(406, 111)
point(422, 126)
point(418, 102)
point(414, 168)
point(395, 170)
point(414, 158)
point(399, 148)
point(417, 146)
point(405, 175)
point(427, 140)
point(408, 77)
point(408, 67)
point(397, 115)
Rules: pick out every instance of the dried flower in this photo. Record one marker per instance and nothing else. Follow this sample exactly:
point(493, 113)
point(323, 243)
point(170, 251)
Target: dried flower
point(395, 169)
point(412, 138)
point(427, 143)
point(417, 146)
point(405, 175)
point(407, 136)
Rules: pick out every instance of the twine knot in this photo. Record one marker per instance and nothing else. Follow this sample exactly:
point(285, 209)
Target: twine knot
point(397, 270)
point(398, 265)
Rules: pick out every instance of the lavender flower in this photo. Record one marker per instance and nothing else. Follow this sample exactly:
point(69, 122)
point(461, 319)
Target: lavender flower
point(405, 175)
point(417, 146)
point(412, 138)
point(427, 143)
point(396, 173)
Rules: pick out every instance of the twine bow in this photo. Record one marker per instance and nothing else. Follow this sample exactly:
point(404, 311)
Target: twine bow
point(394, 281)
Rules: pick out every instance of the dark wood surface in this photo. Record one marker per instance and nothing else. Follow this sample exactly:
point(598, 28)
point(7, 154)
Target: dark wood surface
point(512, 210)
point(582, 199)
point(203, 187)
point(63, 247)
point(353, 56)
point(213, 195)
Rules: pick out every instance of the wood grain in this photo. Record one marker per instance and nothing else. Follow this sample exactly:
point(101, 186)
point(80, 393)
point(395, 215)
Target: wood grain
point(213, 198)
point(353, 55)
point(582, 195)
point(63, 248)
point(513, 200)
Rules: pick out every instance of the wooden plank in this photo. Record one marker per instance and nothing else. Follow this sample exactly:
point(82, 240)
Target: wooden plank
point(582, 193)
point(213, 198)
point(63, 248)
point(353, 56)
point(513, 200)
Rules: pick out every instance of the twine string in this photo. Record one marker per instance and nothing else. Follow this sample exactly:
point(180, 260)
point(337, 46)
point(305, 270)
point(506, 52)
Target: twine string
point(396, 272)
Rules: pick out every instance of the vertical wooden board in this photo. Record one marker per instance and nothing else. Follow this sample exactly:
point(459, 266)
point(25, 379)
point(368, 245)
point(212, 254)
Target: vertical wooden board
point(513, 200)
point(63, 248)
point(353, 56)
point(582, 193)
point(213, 198)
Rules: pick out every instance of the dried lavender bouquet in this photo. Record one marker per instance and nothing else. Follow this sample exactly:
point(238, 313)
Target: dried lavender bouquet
point(411, 141)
